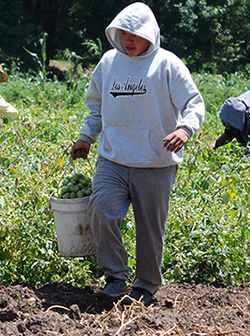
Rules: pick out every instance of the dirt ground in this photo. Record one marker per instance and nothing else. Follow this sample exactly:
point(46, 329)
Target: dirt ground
point(186, 310)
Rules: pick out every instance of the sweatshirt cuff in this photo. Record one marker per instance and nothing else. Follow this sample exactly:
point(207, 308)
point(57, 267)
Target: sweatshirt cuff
point(85, 138)
point(186, 130)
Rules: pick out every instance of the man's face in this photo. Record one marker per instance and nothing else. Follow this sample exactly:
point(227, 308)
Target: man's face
point(133, 45)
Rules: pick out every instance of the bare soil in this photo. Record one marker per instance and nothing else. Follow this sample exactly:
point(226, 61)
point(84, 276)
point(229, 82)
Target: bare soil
point(186, 310)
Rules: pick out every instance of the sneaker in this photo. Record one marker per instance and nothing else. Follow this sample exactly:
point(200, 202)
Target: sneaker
point(140, 294)
point(114, 287)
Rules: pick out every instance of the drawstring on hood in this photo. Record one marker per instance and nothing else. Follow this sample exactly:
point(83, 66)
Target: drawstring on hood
point(137, 19)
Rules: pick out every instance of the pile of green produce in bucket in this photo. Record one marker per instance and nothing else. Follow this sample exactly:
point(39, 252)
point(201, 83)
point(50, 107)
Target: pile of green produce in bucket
point(75, 186)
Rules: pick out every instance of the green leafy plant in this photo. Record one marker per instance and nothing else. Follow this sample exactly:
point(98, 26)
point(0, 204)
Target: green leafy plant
point(94, 47)
point(41, 58)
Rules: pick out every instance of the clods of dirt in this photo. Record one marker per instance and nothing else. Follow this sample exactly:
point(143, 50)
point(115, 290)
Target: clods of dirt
point(183, 310)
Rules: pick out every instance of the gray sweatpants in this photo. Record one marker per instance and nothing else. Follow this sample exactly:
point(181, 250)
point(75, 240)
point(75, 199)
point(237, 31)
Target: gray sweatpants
point(115, 187)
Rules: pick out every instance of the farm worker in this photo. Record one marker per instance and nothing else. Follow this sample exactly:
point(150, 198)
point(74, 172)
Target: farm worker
point(145, 105)
point(235, 116)
point(6, 109)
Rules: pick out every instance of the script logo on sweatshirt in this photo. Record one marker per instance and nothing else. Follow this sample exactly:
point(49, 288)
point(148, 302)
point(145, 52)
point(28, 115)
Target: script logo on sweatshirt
point(127, 87)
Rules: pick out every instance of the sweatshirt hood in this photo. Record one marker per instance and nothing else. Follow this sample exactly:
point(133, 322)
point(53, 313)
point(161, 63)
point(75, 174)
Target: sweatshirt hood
point(137, 19)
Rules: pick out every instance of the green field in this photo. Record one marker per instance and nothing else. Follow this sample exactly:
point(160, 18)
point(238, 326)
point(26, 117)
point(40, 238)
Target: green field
point(208, 233)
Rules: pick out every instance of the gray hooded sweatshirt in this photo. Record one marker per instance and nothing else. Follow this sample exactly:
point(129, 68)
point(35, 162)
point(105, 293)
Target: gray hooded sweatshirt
point(135, 102)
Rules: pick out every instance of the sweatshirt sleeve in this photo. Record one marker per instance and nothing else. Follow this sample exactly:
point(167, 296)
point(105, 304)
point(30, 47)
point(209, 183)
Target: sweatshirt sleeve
point(187, 98)
point(92, 125)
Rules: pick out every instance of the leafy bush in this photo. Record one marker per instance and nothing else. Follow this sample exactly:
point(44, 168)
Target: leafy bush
point(207, 236)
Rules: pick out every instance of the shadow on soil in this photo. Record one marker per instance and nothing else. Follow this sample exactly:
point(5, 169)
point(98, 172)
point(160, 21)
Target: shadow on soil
point(64, 296)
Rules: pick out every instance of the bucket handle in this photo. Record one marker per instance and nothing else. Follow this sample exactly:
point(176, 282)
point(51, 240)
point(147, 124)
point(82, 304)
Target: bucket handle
point(68, 164)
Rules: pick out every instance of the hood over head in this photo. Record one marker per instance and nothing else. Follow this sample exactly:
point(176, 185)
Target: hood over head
point(137, 19)
point(232, 113)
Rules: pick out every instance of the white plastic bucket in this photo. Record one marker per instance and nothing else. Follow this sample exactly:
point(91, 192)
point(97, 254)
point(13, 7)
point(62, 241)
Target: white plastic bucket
point(72, 220)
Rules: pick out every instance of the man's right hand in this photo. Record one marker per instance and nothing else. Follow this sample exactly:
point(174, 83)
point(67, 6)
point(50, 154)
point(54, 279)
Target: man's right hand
point(80, 149)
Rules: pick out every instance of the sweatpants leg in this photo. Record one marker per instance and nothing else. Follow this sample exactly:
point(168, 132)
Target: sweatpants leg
point(109, 204)
point(150, 190)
